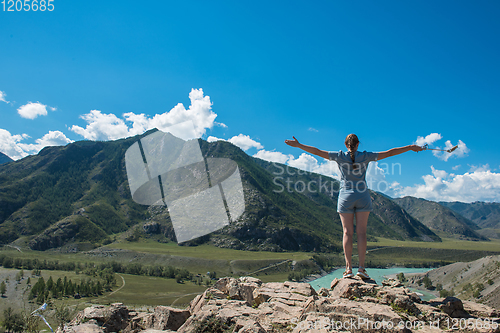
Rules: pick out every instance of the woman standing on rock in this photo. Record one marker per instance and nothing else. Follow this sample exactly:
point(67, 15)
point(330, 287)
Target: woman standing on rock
point(354, 198)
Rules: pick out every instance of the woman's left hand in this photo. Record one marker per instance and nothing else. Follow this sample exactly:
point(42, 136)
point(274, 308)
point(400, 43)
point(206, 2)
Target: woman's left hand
point(292, 143)
point(416, 148)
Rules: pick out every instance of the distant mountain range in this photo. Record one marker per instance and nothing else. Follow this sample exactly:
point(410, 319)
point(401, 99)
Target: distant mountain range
point(485, 215)
point(4, 158)
point(79, 193)
point(440, 219)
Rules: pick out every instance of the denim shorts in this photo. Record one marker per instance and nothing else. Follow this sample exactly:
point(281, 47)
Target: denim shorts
point(354, 201)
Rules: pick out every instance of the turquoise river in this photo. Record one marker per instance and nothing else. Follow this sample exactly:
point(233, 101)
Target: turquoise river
point(377, 274)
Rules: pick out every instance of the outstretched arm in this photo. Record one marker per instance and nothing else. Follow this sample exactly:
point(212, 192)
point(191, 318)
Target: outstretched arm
point(309, 149)
point(397, 151)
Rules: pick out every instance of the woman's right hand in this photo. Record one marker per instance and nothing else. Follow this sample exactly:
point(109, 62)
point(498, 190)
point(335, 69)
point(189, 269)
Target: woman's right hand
point(292, 143)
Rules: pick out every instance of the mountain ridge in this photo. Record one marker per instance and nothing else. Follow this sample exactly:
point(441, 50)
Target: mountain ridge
point(483, 214)
point(84, 185)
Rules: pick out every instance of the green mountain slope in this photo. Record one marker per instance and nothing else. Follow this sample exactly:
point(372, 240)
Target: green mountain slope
point(4, 158)
point(38, 191)
point(440, 219)
point(80, 193)
point(400, 221)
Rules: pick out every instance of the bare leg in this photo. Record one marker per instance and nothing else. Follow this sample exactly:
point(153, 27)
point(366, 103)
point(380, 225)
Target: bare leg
point(348, 227)
point(361, 223)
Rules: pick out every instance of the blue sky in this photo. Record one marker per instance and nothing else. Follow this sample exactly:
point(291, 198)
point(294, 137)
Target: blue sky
point(256, 73)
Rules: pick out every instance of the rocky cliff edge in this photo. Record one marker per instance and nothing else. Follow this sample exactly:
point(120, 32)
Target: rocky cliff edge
point(247, 305)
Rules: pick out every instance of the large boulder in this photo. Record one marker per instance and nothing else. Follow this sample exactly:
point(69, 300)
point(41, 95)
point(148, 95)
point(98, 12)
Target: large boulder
point(111, 318)
point(452, 306)
point(163, 318)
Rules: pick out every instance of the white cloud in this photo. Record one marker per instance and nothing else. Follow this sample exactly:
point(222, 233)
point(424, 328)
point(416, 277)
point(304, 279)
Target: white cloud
point(199, 112)
point(429, 139)
point(273, 156)
point(102, 126)
point(53, 138)
point(439, 174)
point(33, 110)
point(214, 139)
point(312, 129)
point(456, 167)
point(9, 144)
point(375, 177)
point(460, 152)
point(474, 168)
point(12, 146)
point(478, 185)
point(309, 163)
point(3, 95)
point(245, 142)
point(304, 162)
point(240, 140)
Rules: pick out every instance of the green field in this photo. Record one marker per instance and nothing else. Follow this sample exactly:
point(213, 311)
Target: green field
point(205, 251)
point(388, 252)
point(197, 259)
point(152, 291)
point(447, 243)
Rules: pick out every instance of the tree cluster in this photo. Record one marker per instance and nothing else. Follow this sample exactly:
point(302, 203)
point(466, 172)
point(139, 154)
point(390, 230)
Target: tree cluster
point(13, 322)
point(30, 264)
point(102, 270)
point(42, 291)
